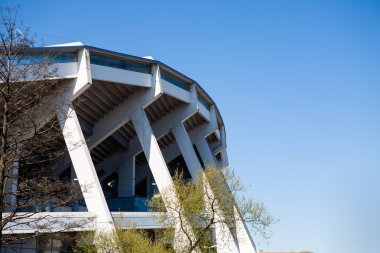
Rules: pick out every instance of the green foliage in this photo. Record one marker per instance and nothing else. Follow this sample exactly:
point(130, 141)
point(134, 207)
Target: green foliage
point(123, 241)
point(212, 198)
point(203, 200)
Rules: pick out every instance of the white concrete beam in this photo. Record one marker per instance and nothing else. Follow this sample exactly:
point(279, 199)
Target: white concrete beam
point(123, 76)
point(83, 80)
point(84, 168)
point(225, 242)
point(121, 114)
point(245, 242)
point(174, 91)
point(224, 239)
point(204, 130)
point(244, 239)
point(187, 150)
point(127, 171)
point(153, 153)
point(159, 171)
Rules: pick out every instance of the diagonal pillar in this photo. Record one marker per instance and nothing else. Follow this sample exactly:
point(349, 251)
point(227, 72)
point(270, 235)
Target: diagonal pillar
point(84, 168)
point(152, 152)
point(245, 242)
point(205, 153)
point(187, 150)
point(224, 239)
point(159, 170)
point(121, 114)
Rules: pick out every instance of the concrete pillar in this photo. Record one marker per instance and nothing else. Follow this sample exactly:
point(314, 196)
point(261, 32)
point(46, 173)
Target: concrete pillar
point(10, 195)
point(127, 176)
point(224, 162)
point(84, 168)
point(246, 244)
point(243, 236)
point(205, 153)
point(84, 79)
point(159, 170)
point(187, 150)
point(152, 151)
point(14, 185)
point(224, 239)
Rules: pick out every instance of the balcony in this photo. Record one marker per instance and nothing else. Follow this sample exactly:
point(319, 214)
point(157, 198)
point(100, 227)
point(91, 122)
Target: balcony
point(127, 204)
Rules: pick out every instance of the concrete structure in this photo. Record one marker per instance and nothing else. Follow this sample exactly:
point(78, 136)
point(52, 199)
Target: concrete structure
point(134, 120)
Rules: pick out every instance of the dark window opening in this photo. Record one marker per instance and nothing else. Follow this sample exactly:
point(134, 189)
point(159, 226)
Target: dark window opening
point(178, 165)
point(112, 62)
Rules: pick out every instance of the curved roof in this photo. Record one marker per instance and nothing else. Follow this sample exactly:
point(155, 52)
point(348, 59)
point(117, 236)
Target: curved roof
point(78, 45)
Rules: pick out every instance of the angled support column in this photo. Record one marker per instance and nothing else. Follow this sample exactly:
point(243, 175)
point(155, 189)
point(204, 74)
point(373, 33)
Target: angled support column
point(159, 169)
point(121, 114)
point(84, 168)
point(221, 148)
point(127, 169)
point(205, 153)
point(245, 242)
point(187, 150)
point(152, 152)
point(84, 79)
point(183, 140)
point(224, 239)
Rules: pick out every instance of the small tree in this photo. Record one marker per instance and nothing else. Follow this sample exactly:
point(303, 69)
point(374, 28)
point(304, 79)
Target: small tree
point(211, 199)
point(123, 241)
point(31, 138)
point(208, 201)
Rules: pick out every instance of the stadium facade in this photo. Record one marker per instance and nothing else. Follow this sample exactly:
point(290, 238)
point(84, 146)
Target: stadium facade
point(138, 121)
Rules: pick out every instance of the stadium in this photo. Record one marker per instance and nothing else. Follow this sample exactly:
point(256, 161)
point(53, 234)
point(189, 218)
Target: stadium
point(132, 122)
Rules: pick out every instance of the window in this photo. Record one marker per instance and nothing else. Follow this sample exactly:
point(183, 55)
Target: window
point(50, 58)
point(107, 61)
point(175, 81)
point(203, 102)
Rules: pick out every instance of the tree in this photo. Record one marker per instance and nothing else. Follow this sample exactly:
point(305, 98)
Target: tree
point(31, 139)
point(209, 201)
point(124, 241)
point(204, 203)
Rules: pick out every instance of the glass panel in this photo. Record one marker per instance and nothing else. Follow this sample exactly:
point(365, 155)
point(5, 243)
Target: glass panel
point(65, 57)
point(127, 204)
point(203, 102)
point(175, 81)
point(74, 206)
point(53, 58)
point(119, 63)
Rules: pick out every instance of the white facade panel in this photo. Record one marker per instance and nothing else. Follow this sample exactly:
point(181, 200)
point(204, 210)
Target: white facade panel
point(175, 91)
point(66, 70)
point(120, 76)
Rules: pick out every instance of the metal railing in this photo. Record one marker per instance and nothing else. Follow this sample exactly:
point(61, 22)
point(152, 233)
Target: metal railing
point(127, 204)
point(124, 204)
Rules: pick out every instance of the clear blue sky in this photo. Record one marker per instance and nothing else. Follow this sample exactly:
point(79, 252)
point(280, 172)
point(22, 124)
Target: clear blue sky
point(298, 86)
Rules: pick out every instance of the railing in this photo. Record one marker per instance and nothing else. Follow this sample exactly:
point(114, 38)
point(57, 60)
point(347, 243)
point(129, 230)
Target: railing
point(127, 204)
point(73, 206)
